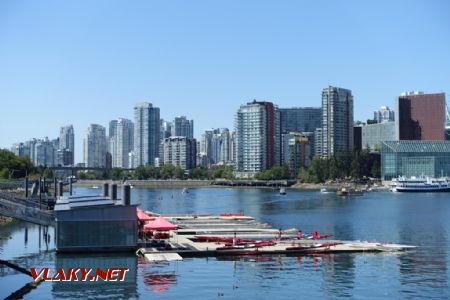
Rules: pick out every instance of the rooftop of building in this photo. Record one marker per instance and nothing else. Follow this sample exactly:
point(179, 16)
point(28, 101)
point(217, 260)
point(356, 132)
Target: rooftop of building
point(418, 146)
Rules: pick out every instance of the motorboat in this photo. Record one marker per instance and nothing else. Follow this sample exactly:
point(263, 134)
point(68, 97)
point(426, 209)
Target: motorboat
point(282, 191)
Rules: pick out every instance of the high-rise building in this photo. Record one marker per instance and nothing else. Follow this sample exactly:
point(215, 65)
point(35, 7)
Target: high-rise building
point(67, 143)
point(123, 143)
point(112, 128)
point(300, 119)
point(420, 116)
point(384, 114)
point(95, 147)
point(44, 153)
point(257, 138)
point(337, 120)
point(166, 129)
point(180, 151)
point(373, 135)
point(296, 150)
point(183, 127)
point(146, 134)
point(220, 152)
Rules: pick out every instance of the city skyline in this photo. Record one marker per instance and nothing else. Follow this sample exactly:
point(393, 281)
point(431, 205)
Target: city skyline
point(189, 59)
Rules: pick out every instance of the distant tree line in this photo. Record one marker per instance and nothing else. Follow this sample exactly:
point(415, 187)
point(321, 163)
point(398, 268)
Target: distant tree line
point(164, 172)
point(353, 165)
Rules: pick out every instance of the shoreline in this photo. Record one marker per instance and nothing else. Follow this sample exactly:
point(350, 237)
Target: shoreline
point(176, 183)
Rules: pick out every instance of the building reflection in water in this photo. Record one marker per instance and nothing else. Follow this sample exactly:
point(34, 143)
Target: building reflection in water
point(106, 289)
point(157, 277)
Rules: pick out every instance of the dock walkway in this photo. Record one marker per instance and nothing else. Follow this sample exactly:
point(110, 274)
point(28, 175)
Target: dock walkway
point(241, 235)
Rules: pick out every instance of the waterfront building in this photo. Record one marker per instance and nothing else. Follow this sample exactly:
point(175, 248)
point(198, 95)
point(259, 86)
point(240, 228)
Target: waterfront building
point(300, 119)
point(146, 134)
point(420, 116)
point(373, 135)
point(94, 224)
point(95, 147)
point(123, 142)
point(67, 142)
point(384, 114)
point(180, 151)
point(219, 146)
point(257, 138)
point(415, 158)
point(183, 127)
point(337, 120)
point(297, 150)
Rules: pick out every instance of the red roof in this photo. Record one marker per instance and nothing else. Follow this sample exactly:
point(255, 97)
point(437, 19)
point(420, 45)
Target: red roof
point(160, 224)
point(142, 216)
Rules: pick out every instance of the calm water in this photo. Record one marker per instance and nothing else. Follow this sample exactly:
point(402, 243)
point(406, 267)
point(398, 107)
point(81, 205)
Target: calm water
point(419, 219)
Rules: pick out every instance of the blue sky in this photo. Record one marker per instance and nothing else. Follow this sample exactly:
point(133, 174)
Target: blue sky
point(83, 62)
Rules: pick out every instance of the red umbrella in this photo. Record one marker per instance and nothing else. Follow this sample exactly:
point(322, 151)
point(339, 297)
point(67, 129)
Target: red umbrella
point(160, 224)
point(142, 216)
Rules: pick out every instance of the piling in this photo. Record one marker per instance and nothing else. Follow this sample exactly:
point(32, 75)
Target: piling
point(55, 187)
point(126, 195)
point(26, 186)
point(70, 186)
point(105, 189)
point(60, 188)
point(113, 191)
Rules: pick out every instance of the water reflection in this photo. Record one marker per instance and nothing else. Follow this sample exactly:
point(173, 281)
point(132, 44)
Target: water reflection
point(157, 276)
point(97, 289)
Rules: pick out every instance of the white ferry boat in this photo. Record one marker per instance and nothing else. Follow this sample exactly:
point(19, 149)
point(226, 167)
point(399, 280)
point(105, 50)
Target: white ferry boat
point(420, 184)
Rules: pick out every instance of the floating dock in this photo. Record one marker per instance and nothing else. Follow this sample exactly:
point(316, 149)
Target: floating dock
point(234, 234)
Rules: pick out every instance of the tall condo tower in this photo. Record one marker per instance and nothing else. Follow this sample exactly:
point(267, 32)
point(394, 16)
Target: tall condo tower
point(337, 120)
point(257, 138)
point(146, 134)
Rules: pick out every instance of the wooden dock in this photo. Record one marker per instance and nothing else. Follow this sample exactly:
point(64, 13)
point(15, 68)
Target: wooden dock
point(204, 236)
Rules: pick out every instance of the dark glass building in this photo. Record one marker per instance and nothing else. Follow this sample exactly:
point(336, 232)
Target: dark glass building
point(420, 116)
point(300, 119)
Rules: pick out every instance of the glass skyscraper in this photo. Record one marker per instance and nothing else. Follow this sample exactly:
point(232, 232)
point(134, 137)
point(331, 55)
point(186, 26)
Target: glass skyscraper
point(300, 119)
point(146, 134)
point(67, 140)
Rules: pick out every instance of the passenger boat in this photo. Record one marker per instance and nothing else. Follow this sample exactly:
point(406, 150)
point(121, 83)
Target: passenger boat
point(420, 184)
point(282, 191)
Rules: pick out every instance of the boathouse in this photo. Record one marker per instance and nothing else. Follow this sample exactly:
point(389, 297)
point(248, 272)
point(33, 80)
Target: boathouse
point(95, 224)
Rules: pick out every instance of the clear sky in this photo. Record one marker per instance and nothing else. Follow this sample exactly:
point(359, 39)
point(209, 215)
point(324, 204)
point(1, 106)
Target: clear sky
point(82, 62)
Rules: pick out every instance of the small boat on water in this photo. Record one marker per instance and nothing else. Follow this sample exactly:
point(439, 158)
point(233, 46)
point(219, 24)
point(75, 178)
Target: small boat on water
point(185, 191)
point(95, 187)
point(349, 191)
point(324, 190)
point(420, 184)
point(282, 191)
